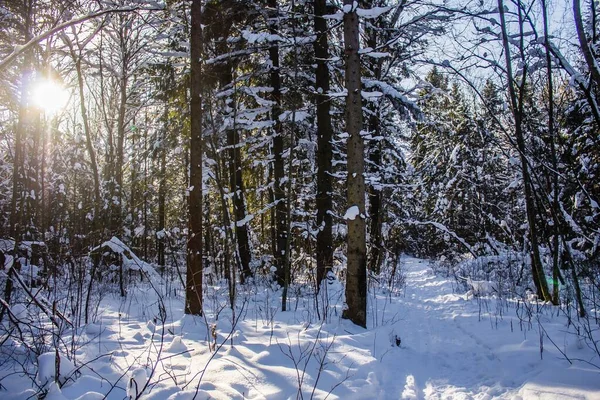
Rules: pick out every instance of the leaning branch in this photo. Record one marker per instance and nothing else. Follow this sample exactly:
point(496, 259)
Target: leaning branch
point(444, 229)
point(18, 50)
point(51, 313)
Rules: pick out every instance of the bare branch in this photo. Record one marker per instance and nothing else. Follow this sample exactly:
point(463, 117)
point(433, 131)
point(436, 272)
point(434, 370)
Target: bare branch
point(42, 36)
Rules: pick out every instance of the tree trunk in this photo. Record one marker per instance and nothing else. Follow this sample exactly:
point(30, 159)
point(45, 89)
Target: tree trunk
point(145, 192)
point(133, 191)
point(162, 193)
point(228, 239)
point(539, 279)
point(117, 195)
point(575, 279)
point(31, 212)
point(17, 183)
point(16, 207)
point(554, 172)
point(236, 183)
point(375, 213)
point(193, 292)
point(239, 208)
point(220, 169)
point(87, 131)
point(588, 54)
point(324, 201)
point(278, 164)
point(121, 277)
point(356, 279)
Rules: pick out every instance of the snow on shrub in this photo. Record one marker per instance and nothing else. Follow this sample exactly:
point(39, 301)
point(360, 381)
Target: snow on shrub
point(47, 369)
point(54, 393)
point(177, 345)
point(130, 261)
point(137, 381)
point(489, 274)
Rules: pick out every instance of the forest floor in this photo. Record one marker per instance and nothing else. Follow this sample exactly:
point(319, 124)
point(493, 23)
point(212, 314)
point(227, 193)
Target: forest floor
point(426, 342)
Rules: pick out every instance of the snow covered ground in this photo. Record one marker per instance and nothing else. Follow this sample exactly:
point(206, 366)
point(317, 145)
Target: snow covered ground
point(427, 343)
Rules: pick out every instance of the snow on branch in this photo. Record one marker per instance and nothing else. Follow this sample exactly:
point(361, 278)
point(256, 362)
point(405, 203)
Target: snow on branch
point(130, 259)
point(365, 13)
point(399, 100)
point(372, 13)
point(444, 229)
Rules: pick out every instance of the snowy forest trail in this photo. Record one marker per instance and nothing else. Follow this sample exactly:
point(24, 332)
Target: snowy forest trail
point(458, 348)
point(428, 342)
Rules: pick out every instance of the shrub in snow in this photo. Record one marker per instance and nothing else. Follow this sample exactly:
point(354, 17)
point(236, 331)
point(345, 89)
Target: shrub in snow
point(239, 337)
point(114, 257)
point(139, 337)
point(47, 369)
point(410, 392)
point(395, 339)
point(482, 288)
point(391, 278)
point(93, 329)
point(177, 345)
point(54, 393)
point(151, 326)
point(487, 275)
point(137, 381)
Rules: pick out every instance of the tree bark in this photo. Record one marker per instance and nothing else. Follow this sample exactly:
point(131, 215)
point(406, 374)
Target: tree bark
point(87, 131)
point(117, 195)
point(17, 183)
point(356, 279)
point(588, 54)
point(538, 276)
point(375, 207)
point(324, 201)
point(32, 182)
point(239, 208)
point(20, 134)
point(375, 255)
point(193, 292)
point(554, 171)
point(77, 58)
point(236, 183)
point(278, 164)
point(162, 191)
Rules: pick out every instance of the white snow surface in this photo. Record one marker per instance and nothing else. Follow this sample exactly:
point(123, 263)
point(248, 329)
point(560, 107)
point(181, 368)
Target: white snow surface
point(177, 345)
point(47, 369)
point(352, 213)
point(54, 393)
point(451, 348)
point(137, 381)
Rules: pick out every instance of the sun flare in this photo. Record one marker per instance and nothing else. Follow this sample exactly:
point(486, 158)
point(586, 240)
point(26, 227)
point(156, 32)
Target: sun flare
point(49, 96)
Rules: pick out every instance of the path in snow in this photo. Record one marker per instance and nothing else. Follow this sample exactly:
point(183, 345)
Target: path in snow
point(449, 352)
point(451, 348)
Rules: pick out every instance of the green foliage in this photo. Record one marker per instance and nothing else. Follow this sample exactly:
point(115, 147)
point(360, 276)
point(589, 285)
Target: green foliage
point(459, 171)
